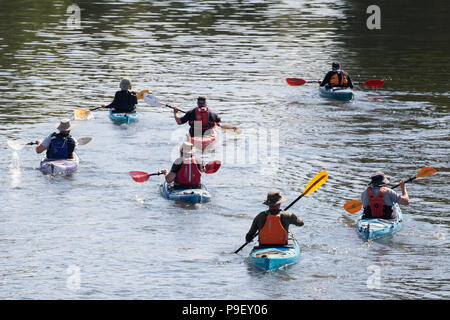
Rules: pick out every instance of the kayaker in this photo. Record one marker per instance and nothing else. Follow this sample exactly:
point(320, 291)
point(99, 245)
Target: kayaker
point(59, 146)
point(337, 77)
point(125, 100)
point(199, 118)
point(186, 171)
point(273, 224)
point(378, 200)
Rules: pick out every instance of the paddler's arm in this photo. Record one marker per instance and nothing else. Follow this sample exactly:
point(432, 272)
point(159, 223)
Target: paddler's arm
point(350, 83)
point(251, 233)
point(169, 176)
point(404, 199)
point(40, 148)
point(175, 115)
point(293, 219)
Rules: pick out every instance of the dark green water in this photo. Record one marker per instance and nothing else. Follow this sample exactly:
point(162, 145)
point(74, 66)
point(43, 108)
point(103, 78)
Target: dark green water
point(128, 242)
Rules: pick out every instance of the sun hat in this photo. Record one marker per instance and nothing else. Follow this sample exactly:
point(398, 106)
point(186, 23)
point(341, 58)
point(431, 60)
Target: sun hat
point(125, 84)
point(274, 198)
point(379, 179)
point(65, 125)
point(187, 148)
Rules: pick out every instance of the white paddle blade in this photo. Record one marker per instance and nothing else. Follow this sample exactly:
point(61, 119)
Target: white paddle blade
point(15, 145)
point(152, 100)
point(83, 141)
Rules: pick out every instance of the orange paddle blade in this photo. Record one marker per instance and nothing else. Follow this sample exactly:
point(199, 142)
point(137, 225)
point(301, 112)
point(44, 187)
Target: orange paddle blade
point(425, 172)
point(140, 94)
point(353, 206)
point(374, 83)
point(212, 166)
point(139, 176)
point(295, 81)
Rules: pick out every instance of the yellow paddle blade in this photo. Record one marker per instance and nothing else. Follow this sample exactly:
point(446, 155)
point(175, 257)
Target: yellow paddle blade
point(81, 113)
point(140, 94)
point(353, 206)
point(231, 129)
point(425, 172)
point(315, 182)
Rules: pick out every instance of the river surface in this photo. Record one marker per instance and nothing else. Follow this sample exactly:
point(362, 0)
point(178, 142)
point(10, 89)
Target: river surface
point(99, 235)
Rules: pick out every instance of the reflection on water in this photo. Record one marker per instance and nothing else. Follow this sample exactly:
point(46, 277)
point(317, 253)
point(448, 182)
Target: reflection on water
point(123, 235)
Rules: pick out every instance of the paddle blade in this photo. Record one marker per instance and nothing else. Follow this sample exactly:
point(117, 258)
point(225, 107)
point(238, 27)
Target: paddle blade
point(212, 166)
point(353, 206)
point(374, 83)
point(152, 100)
point(140, 94)
point(231, 129)
point(425, 172)
point(81, 113)
point(315, 182)
point(15, 145)
point(139, 176)
point(295, 81)
point(84, 140)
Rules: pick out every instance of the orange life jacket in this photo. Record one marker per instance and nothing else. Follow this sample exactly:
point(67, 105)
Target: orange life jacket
point(189, 174)
point(376, 203)
point(273, 231)
point(338, 79)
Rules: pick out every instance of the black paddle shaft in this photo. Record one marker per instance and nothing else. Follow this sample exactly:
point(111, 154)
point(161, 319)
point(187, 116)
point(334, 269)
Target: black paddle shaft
point(409, 180)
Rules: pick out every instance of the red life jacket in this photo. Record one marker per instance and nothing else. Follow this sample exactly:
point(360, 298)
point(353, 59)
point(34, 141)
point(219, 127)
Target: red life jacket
point(376, 203)
point(273, 231)
point(189, 174)
point(336, 82)
point(202, 115)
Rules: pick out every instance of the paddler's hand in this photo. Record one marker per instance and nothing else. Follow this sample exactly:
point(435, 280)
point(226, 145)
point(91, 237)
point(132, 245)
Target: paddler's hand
point(38, 142)
point(175, 110)
point(103, 105)
point(165, 172)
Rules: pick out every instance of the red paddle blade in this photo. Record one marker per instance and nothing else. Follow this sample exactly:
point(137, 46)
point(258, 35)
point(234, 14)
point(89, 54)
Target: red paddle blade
point(374, 83)
point(139, 176)
point(295, 81)
point(212, 166)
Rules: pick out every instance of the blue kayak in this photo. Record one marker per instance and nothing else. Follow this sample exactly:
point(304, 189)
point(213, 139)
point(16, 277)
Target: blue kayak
point(374, 228)
point(344, 94)
point(121, 117)
point(275, 256)
point(185, 195)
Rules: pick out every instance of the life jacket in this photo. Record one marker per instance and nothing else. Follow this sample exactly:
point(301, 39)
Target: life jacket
point(273, 231)
point(202, 115)
point(59, 147)
point(378, 208)
point(339, 79)
point(189, 173)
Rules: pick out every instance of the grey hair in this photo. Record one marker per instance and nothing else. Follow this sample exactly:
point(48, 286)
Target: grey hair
point(125, 84)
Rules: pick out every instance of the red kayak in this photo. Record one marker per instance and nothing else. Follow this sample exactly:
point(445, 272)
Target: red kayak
point(206, 140)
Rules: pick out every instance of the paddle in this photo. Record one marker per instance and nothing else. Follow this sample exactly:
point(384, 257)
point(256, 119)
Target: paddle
point(312, 186)
point(354, 206)
point(83, 113)
point(141, 176)
point(19, 145)
point(156, 102)
point(300, 82)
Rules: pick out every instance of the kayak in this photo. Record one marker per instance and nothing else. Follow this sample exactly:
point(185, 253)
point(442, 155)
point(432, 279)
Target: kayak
point(185, 195)
point(206, 140)
point(275, 256)
point(337, 93)
point(122, 117)
point(55, 167)
point(374, 228)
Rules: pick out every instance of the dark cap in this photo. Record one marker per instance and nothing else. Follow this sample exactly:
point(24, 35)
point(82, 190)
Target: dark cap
point(336, 65)
point(199, 99)
point(274, 198)
point(379, 179)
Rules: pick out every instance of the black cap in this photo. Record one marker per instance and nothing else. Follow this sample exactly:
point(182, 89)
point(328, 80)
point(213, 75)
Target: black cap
point(336, 65)
point(201, 99)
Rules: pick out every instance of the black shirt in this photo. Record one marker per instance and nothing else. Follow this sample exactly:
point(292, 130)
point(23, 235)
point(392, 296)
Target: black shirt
point(124, 101)
point(190, 116)
point(326, 80)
